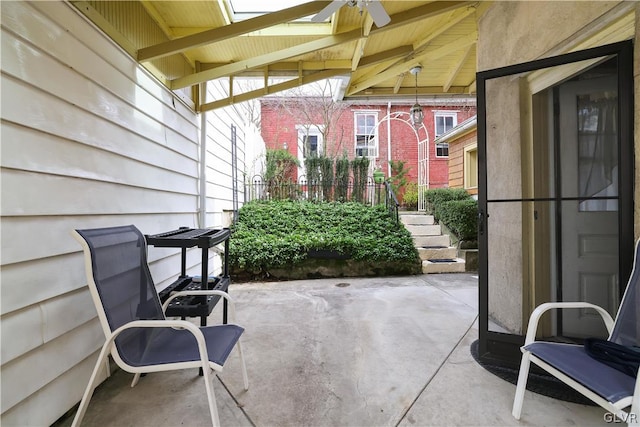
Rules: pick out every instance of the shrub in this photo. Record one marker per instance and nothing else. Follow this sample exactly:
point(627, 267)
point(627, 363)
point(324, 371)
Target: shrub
point(278, 233)
point(398, 177)
point(436, 196)
point(410, 196)
point(360, 169)
point(342, 178)
point(461, 217)
point(280, 164)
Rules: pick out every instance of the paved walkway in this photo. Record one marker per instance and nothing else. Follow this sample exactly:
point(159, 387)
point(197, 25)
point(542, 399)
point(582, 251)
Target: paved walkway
point(390, 351)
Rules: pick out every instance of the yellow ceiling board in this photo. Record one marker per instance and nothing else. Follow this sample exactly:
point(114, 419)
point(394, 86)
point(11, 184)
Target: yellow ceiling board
point(152, 10)
point(420, 31)
point(263, 60)
point(229, 31)
point(387, 55)
point(190, 13)
point(403, 66)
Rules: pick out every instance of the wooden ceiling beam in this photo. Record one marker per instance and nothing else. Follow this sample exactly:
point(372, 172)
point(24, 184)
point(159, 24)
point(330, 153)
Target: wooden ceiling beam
point(398, 84)
point(262, 60)
point(419, 13)
point(290, 66)
point(359, 50)
point(229, 31)
point(290, 84)
point(157, 18)
point(457, 67)
point(408, 93)
point(377, 58)
point(407, 64)
point(455, 19)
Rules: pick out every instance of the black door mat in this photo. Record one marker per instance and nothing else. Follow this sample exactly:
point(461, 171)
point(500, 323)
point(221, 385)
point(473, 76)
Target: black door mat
point(545, 385)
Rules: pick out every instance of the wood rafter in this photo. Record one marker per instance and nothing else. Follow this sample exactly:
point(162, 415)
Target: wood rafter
point(408, 92)
point(457, 67)
point(359, 50)
point(421, 12)
point(290, 84)
point(266, 59)
point(406, 64)
point(229, 31)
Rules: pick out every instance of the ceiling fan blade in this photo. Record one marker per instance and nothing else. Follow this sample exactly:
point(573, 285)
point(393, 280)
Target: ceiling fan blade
point(325, 13)
point(377, 12)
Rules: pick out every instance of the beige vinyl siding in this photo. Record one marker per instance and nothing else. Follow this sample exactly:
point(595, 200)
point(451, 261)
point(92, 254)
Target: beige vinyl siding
point(89, 139)
point(456, 160)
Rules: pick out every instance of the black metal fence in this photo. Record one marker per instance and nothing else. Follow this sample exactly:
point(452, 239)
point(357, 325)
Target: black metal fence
point(368, 192)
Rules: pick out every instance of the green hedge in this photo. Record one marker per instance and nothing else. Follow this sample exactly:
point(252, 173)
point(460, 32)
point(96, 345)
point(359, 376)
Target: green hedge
point(436, 196)
point(271, 234)
point(454, 208)
point(461, 217)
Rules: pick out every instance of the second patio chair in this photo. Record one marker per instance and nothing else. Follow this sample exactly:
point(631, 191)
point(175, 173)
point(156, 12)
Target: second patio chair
point(608, 387)
point(138, 336)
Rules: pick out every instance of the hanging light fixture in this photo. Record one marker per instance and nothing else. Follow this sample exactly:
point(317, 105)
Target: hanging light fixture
point(417, 116)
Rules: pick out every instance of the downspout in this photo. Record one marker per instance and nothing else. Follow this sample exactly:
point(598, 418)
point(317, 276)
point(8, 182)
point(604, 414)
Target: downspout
point(202, 193)
point(389, 139)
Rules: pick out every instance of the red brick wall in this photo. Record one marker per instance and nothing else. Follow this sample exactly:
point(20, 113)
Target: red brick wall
point(278, 125)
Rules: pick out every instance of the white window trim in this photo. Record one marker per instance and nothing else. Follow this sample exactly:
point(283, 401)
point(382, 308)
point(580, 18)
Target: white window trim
point(444, 113)
point(375, 148)
point(466, 173)
point(302, 132)
point(436, 148)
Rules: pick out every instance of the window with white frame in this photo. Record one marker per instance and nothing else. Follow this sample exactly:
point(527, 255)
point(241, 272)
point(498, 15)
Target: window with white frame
point(310, 144)
point(442, 149)
point(366, 134)
point(444, 122)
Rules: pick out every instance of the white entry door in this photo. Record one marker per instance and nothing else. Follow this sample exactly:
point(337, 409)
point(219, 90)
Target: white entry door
point(588, 149)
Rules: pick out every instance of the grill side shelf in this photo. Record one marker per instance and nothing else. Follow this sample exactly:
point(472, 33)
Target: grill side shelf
point(189, 237)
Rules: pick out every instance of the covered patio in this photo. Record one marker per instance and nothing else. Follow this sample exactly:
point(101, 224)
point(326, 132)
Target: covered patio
point(348, 352)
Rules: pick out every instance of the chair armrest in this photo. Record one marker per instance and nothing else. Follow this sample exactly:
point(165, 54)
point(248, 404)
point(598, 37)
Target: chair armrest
point(231, 306)
point(542, 308)
point(182, 324)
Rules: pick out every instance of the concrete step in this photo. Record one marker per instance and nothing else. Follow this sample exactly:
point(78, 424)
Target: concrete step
point(455, 265)
point(417, 219)
point(441, 240)
point(424, 230)
point(437, 252)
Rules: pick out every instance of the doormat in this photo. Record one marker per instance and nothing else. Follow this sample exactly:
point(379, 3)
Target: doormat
point(545, 385)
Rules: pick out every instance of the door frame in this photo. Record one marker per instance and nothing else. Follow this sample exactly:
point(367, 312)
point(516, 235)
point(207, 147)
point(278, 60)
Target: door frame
point(500, 347)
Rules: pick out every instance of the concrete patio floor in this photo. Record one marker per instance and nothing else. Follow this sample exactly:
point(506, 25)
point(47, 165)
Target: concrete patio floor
point(389, 351)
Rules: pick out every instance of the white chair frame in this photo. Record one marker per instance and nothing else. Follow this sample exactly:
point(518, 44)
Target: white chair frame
point(615, 408)
point(109, 346)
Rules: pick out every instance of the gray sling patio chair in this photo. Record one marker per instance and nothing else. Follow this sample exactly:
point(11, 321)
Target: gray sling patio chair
point(608, 387)
point(138, 336)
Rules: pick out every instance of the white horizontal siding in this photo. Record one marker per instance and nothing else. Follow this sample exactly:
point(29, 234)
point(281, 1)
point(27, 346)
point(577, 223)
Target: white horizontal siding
point(89, 139)
point(62, 392)
point(219, 188)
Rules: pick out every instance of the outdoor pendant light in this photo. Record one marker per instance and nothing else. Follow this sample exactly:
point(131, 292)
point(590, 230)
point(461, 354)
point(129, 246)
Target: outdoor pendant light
point(417, 116)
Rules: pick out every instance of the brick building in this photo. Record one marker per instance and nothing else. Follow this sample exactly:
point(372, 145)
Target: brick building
point(378, 130)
